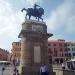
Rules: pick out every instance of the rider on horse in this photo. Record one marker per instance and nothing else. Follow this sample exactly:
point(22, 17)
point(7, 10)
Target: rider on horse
point(36, 9)
point(35, 6)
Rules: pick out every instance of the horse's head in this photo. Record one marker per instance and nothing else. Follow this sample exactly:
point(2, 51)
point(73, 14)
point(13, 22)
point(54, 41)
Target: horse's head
point(23, 9)
point(41, 11)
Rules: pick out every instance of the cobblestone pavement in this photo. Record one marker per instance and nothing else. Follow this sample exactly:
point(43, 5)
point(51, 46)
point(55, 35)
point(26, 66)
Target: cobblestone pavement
point(8, 70)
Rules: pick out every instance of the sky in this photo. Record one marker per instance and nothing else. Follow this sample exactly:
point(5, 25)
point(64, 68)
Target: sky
point(59, 17)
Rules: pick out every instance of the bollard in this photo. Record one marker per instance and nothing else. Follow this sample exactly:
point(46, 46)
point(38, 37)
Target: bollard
point(3, 70)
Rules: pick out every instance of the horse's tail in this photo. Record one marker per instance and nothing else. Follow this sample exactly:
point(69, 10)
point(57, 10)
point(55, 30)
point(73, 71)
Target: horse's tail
point(23, 9)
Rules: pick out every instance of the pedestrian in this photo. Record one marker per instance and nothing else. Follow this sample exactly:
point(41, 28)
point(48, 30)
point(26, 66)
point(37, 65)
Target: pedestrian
point(15, 69)
point(63, 65)
point(14, 62)
point(17, 72)
point(14, 73)
point(43, 70)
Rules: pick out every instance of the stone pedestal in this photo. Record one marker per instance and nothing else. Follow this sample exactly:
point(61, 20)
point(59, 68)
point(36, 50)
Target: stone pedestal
point(34, 47)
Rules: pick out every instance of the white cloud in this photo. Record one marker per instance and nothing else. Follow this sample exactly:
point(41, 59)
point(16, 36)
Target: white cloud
point(70, 25)
point(11, 20)
point(10, 24)
point(64, 15)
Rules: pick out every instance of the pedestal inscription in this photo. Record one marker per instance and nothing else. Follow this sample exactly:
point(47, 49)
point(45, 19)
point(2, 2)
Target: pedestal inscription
point(37, 54)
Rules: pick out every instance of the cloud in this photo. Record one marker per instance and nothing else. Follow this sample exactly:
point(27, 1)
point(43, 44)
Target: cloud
point(63, 16)
point(11, 19)
point(10, 24)
point(70, 25)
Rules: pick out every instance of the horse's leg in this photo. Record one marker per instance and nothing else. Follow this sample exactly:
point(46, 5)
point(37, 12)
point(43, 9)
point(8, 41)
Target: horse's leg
point(26, 16)
point(41, 18)
point(38, 18)
point(29, 17)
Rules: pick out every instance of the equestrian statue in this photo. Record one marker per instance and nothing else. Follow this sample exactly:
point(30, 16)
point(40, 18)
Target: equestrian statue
point(37, 12)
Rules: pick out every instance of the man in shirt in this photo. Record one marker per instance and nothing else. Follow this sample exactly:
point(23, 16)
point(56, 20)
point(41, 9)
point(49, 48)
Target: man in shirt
point(43, 70)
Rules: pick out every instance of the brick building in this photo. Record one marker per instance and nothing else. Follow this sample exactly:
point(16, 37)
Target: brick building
point(57, 51)
point(3, 55)
point(16, 49)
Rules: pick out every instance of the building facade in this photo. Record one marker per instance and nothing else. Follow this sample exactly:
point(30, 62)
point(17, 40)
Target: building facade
point(71, 49)
point(3, 55)
point(16, 49)
point(57, 51)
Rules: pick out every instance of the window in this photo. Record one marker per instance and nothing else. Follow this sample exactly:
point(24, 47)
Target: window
point(73, 54)
point(61, 49)
point(55, 54)
point(65, 49)
point(65, 54)
point(20, 49)
point(49, 44)
point(55, 51)
point(18, 43)
point(68, 49)
point(72, 49)
point(71, 44)
point(65, 44)
point(69, 54)
point(54, 44)
point(62, 54)
point(50, 50)
point(68, 45)
point(60, 44)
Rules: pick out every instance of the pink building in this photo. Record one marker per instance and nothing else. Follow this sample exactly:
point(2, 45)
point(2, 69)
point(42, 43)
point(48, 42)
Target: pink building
point(57, 51)
point(3, 55)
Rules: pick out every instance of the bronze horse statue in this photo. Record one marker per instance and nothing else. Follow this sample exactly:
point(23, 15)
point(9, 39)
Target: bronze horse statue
point(36, 12)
